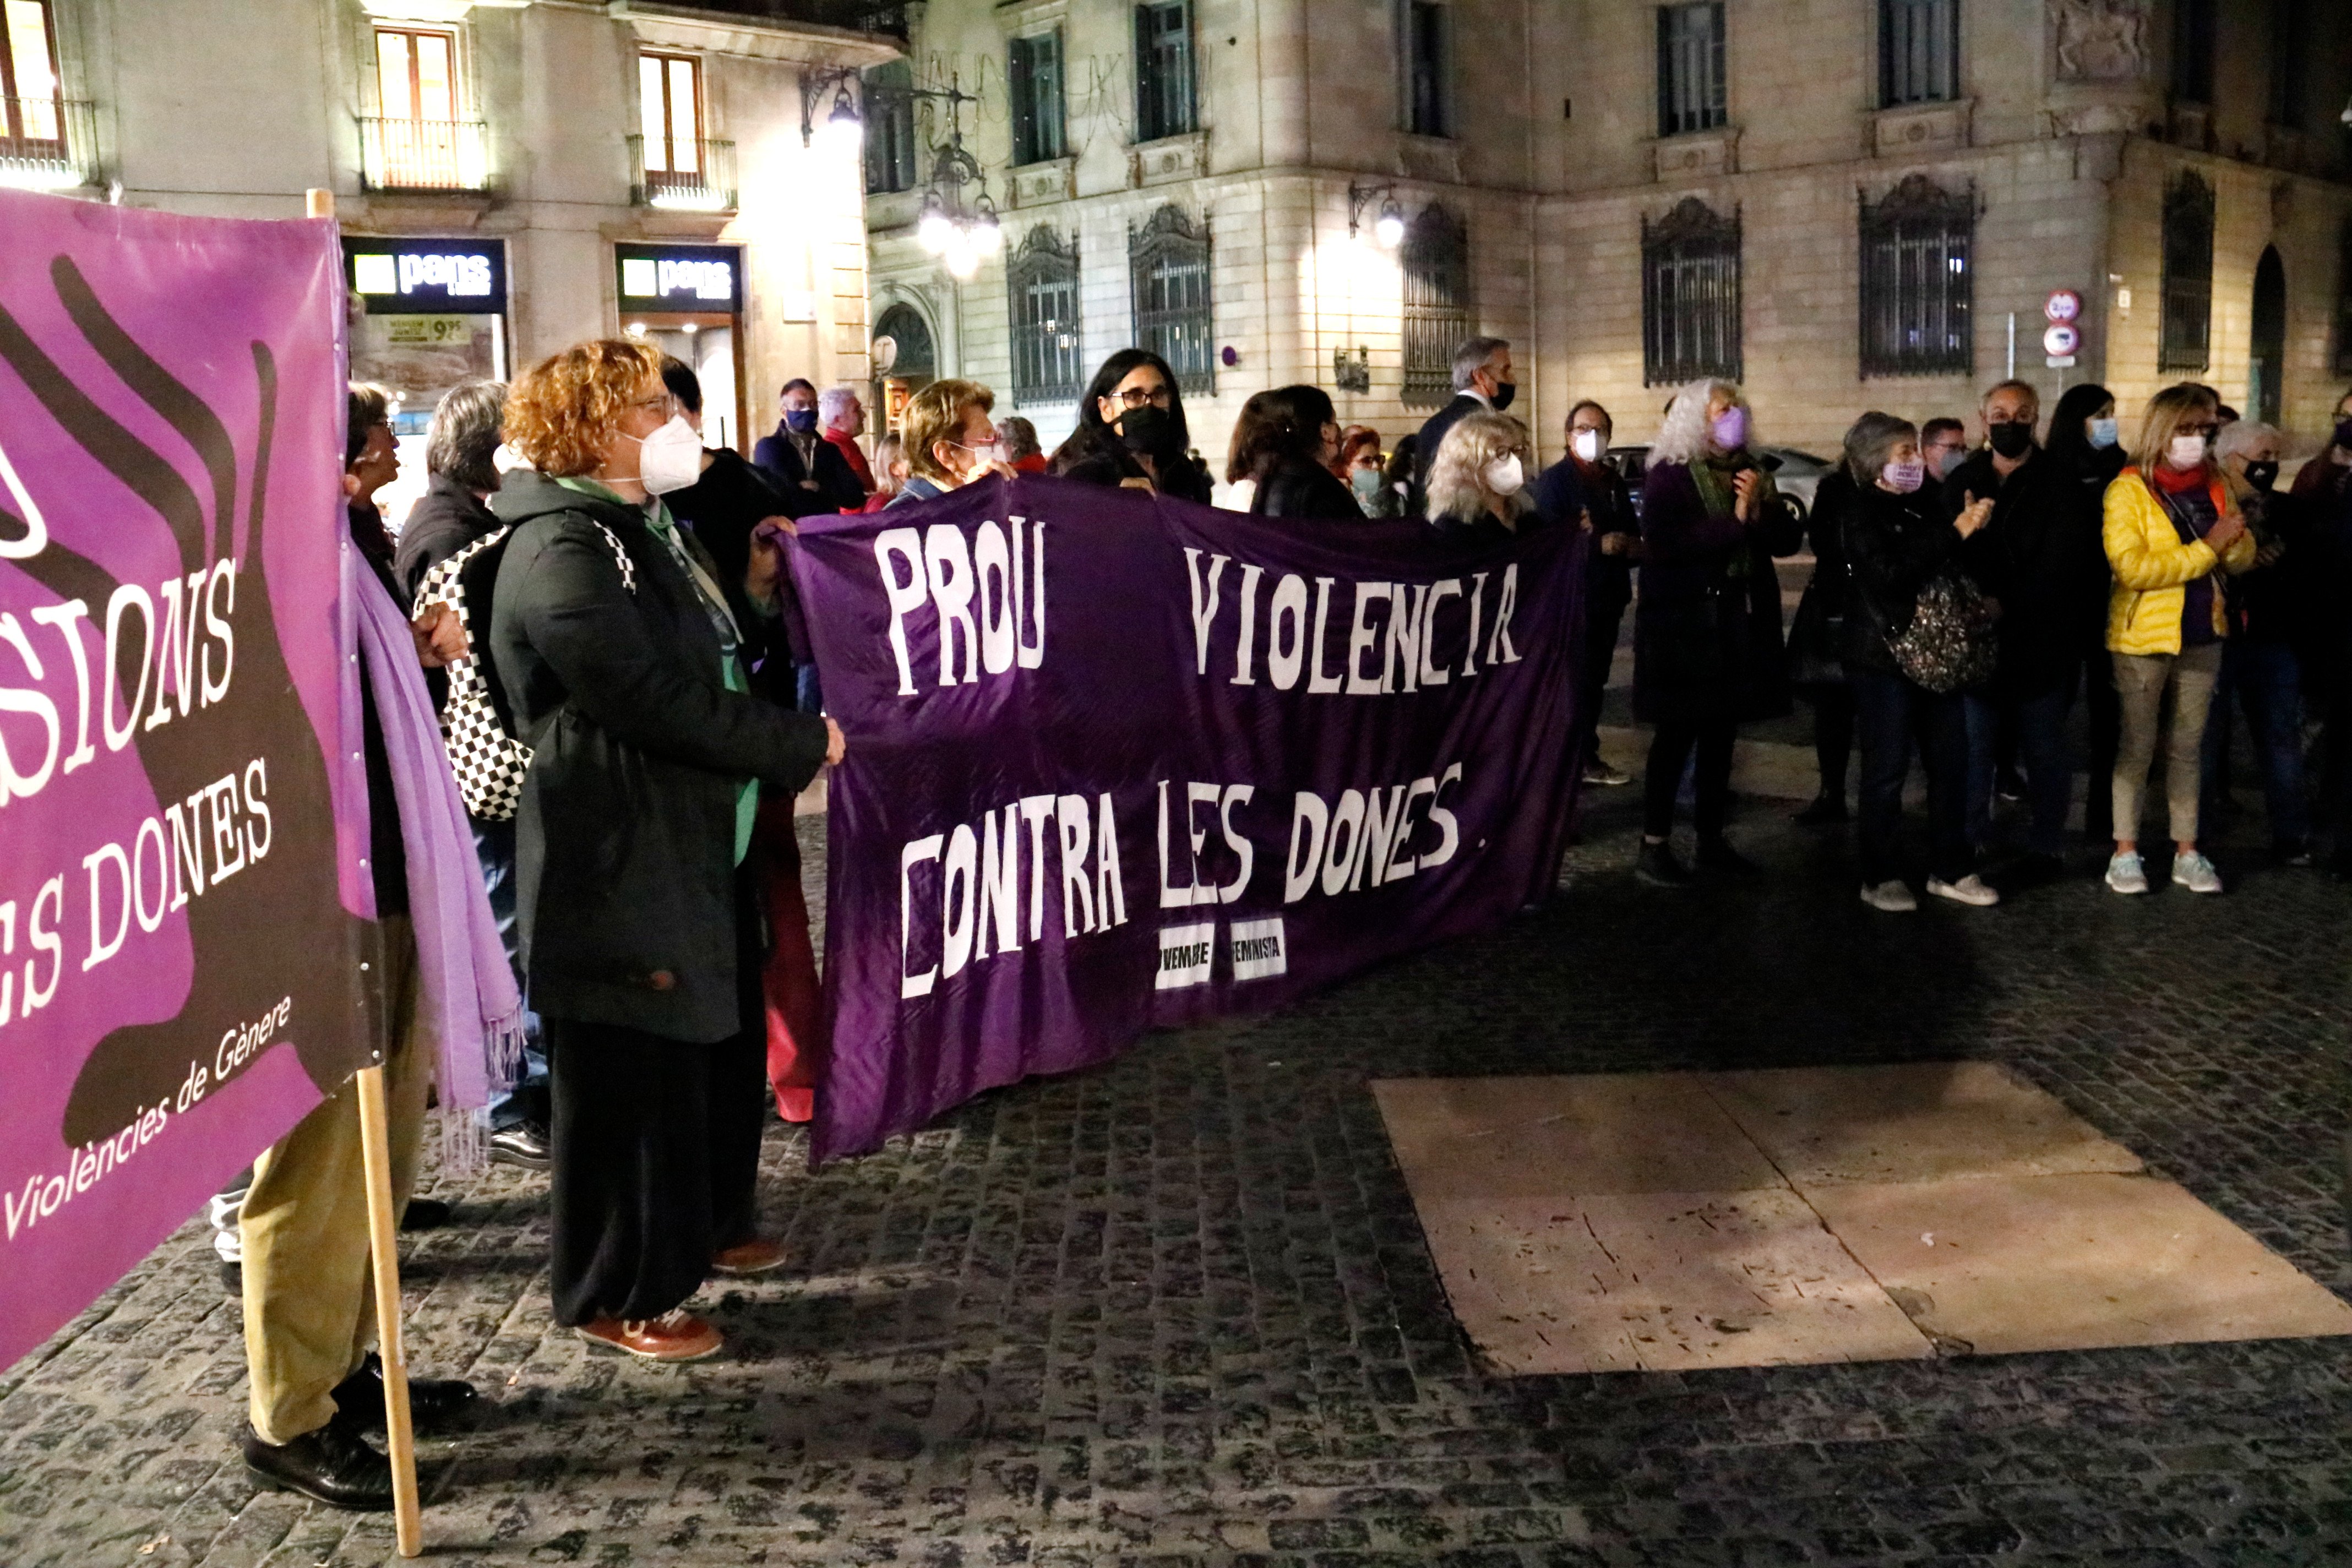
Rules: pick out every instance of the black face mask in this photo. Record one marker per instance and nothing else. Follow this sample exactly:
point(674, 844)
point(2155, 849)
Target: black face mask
point(2010, 437)
point(2344, 433)
point(1504, 392)
point(1149, 432)
point(2262, 476)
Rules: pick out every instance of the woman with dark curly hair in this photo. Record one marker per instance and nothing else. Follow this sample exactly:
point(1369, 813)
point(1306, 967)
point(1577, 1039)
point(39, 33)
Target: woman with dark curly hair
point(621, 645)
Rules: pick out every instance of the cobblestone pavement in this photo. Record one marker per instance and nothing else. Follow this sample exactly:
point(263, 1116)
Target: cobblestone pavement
point(1178, 1311)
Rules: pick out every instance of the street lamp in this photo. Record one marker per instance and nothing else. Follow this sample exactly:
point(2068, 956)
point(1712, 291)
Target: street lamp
point(843, 128)
point(1389, 227)
point(958, 222)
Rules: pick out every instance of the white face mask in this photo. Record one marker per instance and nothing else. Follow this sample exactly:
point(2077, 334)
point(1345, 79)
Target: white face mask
point(984, 454)
point(2186, 451)
point(1506, 475)
point(1586, 445)
point(670, 458)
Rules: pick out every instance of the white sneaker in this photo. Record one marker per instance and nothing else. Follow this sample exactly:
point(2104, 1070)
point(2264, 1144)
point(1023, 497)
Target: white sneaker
point(2126, 874)
point(1893, 897)
point(1969, 889)
point(2196, 873)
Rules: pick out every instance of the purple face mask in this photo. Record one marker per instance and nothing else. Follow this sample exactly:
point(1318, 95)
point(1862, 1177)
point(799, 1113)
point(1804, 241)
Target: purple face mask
point(1904, 477)
point(1732, 429)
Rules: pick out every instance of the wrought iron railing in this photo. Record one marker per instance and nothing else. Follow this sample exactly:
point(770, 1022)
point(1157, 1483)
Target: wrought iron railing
point(698, 175)
point(423, 154)
point(48, 143)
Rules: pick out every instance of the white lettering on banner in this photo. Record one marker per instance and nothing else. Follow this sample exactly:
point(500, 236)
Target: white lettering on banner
point(1223, 798)
point(464, 275)
point(1186, 954)
point(85, 1168)
point(977, 886)
point(1364, 838)
point(1390, 632)
point(978, 631)
point(1258, 948)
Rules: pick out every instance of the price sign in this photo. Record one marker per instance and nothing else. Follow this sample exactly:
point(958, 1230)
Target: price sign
point(428, 331)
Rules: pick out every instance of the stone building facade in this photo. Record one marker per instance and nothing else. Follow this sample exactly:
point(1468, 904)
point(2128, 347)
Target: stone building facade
point(1841, 202)
point(498, 165)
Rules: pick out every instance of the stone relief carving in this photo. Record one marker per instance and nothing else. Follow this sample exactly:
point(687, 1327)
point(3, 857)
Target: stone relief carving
point(2102, 40)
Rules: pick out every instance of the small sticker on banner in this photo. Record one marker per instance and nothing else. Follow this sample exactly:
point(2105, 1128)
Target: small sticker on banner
point(1259, 949)
point(1185, 954)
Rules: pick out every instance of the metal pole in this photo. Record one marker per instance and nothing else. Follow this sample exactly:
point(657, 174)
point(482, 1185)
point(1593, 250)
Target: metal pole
point(384, 1245)
point(2013, 346)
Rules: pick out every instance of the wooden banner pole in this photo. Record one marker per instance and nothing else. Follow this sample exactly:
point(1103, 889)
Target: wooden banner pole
point(384, 1247)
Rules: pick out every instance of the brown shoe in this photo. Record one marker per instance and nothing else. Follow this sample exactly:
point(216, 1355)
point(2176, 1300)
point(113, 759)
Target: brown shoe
point(676, 1335)
point(754, 1256)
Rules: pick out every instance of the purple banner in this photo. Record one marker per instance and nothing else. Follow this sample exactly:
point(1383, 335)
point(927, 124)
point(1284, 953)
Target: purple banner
point(1118, 762)
point(181, 815)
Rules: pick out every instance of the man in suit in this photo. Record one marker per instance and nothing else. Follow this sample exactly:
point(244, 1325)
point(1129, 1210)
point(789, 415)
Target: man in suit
point(1481, 379)
point(807, 468)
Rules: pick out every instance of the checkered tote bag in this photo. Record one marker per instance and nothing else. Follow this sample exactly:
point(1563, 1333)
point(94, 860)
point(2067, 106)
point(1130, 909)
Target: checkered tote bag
point(484, 753)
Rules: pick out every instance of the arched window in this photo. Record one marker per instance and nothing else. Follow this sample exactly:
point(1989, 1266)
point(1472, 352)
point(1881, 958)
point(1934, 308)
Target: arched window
point(1919, 281)
point(1043, 282)
point(1436, 263)
point(2188, 274)
point(905, 326)
point(1168, 286)
point(1690, 295)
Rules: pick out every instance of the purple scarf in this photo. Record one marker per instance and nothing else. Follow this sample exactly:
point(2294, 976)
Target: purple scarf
point(468, 992)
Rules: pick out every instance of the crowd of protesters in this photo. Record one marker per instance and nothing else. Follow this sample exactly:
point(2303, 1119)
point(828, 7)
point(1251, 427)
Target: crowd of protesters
point(1971, 582)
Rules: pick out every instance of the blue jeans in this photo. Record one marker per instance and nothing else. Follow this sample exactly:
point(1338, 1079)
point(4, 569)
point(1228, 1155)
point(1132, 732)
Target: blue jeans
point(2268, 679)
point(1889, 712)
point(2041, 747)
point(494, 847)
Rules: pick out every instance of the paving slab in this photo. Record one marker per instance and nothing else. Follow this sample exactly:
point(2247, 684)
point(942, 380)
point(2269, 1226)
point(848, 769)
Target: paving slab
point(1660, 1282)
point(2073, 1262)
point(1912, 1122)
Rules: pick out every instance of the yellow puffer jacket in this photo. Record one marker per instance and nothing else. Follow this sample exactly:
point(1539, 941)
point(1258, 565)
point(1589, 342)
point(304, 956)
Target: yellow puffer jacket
point(2153, 568)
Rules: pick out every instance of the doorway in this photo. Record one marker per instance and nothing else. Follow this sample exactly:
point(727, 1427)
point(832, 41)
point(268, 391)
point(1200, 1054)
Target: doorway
point(2266, 367)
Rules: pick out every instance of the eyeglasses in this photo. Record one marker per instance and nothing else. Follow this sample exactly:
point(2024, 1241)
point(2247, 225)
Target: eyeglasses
point(1136, 397)
point(2209, 429)
point(662, 403)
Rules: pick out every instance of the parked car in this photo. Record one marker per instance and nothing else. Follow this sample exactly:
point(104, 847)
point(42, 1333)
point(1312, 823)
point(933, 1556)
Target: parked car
point(1798, 475)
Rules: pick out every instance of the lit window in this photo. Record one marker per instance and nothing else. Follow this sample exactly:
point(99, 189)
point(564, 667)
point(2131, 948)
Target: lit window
point(1917, 298)
point(28, 77)
point(669, 109)
point(417, 140)
point(416, 79)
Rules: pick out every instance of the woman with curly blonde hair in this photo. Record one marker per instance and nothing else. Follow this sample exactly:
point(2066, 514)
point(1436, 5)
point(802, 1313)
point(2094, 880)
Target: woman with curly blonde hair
point(621, 648)
point(1706, 632)
point(1478, 477)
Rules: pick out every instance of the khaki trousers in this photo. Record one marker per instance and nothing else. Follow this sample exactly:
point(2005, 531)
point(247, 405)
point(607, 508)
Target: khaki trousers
point(2141, 681)
point(309, 1300)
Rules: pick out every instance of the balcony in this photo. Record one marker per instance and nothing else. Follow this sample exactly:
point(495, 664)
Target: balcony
point(423, 155)
point(695, 176)
point(47, 144)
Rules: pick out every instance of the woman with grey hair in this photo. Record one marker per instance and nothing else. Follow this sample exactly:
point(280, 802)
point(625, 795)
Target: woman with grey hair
point(460, 448)
point(1478, 481)
point(1899, 549)
point(1707, 655)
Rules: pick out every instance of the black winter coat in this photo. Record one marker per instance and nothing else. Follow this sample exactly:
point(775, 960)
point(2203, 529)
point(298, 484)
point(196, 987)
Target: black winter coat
point(1707, 642)
point(1296, 488)
point(2035, 558)
point(1898, 545)
point(625, 837)
point(445, 519)
point(1817, 636)
point(831, 486)
point(1093, 456)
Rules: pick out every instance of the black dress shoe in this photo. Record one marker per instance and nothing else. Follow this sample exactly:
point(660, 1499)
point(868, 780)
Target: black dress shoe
point(1717, 855)
point(432, 1402)
point(1824, 811)
point(424, 1214)
point(524, 1144)
point(1657, 865)
point(331, 1466)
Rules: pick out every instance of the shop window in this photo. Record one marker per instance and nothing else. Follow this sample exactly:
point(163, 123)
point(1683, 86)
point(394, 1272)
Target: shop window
point(2187, 324)
point(1046, 342)
point(1036, 80)
point(1428, 68)
point(1168, 282)
point(1919, 283)
point(1691, 95)
point(891, 128)
point(1435, 260)
point(2193, 36)
point(1690, 296)
point(1918, 51)
point(1164, 103)
point(32, 118)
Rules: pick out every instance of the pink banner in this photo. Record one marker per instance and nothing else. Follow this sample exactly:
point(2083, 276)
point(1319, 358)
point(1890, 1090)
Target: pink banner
point(182, 803)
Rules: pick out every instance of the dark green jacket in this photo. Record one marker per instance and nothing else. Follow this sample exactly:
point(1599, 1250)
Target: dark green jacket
point(625, 835)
